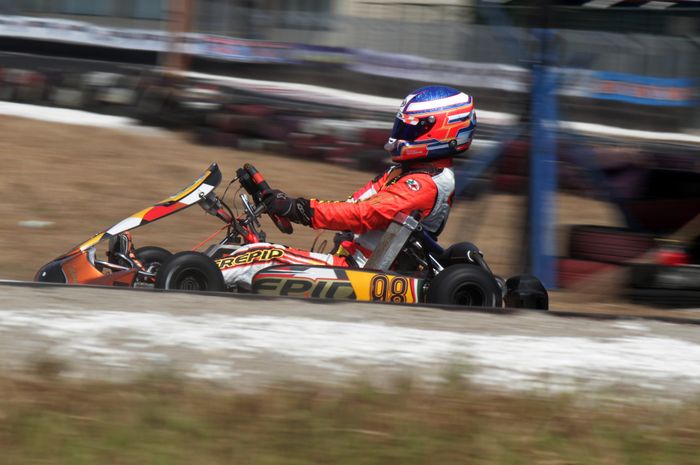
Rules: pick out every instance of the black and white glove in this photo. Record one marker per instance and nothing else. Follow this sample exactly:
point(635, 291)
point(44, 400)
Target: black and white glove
point(280, 204)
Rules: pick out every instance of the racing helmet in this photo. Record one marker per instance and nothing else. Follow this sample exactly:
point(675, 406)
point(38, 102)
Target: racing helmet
point(433, 122)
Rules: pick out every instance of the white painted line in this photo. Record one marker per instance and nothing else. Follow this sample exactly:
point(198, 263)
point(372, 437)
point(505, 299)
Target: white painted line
point(35, 224)
point(600, 3)
point(330, 96)
point(657, 5)
point(76, 117)
point(602, 130)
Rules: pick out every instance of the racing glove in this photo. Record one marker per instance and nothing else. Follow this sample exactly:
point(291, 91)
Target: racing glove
point(280, 204)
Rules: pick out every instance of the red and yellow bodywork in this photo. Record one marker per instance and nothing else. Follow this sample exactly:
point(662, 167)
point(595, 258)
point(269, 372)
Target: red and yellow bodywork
point(338, 283)
point(77, 266)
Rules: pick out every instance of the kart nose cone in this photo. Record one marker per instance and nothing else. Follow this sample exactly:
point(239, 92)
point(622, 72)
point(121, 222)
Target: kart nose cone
point(52, 272)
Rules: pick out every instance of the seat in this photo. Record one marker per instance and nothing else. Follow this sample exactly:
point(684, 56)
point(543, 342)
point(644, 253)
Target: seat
point(392, 242)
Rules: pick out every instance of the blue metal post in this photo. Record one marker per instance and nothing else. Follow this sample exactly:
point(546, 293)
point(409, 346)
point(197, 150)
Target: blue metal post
point(543, 167)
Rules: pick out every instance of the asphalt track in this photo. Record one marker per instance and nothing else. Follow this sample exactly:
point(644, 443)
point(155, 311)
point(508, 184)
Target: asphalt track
point(249, 341)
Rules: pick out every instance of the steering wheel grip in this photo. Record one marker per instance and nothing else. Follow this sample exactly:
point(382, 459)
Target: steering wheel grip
point(257, 179)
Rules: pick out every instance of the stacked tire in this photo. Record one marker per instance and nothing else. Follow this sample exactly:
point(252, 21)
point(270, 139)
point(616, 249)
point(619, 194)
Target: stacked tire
point(608, 244)
point(667, 286)
point(22, 85)
point(512, 171)
point(593, 249)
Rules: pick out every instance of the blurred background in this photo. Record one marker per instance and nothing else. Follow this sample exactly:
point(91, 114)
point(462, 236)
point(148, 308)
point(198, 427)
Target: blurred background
point(586, 164)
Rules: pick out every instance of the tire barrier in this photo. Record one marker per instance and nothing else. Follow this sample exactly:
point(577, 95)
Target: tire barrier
point(105, 90)
point(673, 280)
point(512, 170)
point(22, 85)
point(667, 199)
point(229, 117)
point(653, 276)
point(67, 97)
point(515, 184)
point(571, 271)
point(664, 298)
point(607, 244)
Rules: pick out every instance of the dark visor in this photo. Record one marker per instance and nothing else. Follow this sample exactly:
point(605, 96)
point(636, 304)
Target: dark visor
point(405, 131)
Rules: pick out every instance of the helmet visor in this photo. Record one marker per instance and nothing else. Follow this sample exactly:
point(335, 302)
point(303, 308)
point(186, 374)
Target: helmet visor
point(410, 132)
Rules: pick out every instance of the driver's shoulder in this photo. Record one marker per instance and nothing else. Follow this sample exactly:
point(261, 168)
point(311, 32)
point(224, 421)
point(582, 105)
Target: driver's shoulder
point(424, 175)
point(417, 182)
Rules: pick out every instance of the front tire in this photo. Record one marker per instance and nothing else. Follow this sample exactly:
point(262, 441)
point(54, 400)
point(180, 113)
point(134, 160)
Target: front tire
point(465, 285)
point(152, 257)
point(190, 271)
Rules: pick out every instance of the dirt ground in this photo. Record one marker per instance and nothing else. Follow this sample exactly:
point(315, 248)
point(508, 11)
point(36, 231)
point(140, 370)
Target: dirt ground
point(84, 179)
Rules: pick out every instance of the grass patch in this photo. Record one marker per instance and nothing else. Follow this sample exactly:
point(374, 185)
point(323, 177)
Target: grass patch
point(167, 421)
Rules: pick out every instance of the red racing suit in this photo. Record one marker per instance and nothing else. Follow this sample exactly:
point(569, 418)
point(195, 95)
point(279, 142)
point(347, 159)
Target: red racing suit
point(428, 188)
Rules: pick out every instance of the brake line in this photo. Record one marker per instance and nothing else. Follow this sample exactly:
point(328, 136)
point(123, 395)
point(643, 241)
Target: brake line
point(210, 237)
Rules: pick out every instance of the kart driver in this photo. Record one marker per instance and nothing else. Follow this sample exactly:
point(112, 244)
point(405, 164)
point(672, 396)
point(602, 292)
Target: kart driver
point(433, 124)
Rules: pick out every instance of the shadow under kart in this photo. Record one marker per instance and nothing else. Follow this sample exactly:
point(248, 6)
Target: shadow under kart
point(408, 266)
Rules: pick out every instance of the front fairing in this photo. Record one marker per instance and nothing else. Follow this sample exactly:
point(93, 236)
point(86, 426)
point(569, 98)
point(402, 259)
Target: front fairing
point(78, 268)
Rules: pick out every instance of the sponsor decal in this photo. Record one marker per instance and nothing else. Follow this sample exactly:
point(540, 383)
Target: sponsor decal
point(304, 287)
point(385, 288)
point(247, 258)
point(641, 90)
point(421, 150)
point(413, 184)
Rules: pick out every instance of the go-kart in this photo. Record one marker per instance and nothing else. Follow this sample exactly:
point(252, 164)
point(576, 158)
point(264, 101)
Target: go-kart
point(408, 266)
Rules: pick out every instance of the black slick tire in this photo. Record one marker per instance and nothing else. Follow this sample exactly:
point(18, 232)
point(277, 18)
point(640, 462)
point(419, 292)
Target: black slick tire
point(152, 257)
point(465, 285)
point(190, 271)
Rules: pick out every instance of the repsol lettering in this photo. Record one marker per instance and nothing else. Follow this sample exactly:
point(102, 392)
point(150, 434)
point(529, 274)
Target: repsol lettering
point(247, 258)
point(302, 287)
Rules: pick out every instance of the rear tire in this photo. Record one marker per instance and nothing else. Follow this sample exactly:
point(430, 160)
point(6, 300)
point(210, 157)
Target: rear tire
point(465, 285)
point(190, 271)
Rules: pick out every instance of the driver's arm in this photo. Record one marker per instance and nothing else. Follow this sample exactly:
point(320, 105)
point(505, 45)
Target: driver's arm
point(378, 210)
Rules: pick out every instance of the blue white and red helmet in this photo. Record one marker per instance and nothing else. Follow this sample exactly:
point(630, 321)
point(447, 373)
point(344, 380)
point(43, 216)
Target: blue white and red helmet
point(433, 122)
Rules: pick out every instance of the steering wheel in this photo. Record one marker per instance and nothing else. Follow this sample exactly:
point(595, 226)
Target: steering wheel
point(254, 183)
